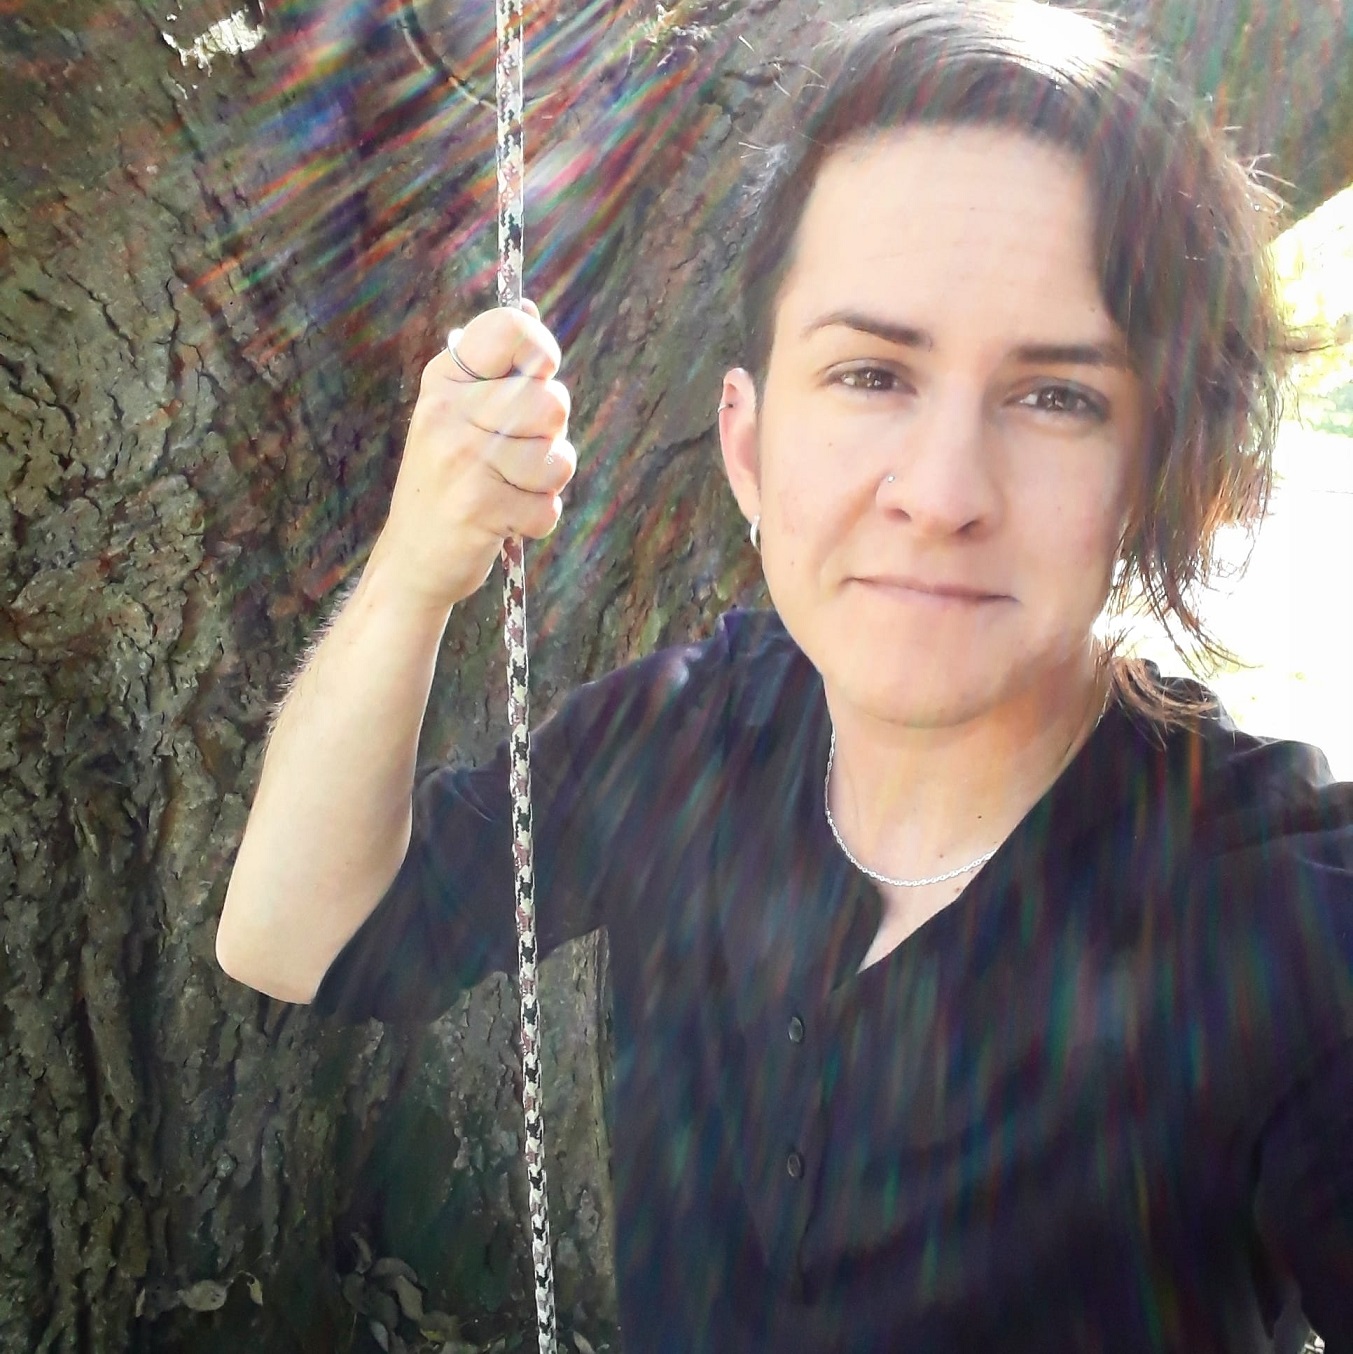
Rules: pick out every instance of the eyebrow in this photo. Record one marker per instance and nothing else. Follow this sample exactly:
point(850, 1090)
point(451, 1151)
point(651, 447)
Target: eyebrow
point(1092, 354)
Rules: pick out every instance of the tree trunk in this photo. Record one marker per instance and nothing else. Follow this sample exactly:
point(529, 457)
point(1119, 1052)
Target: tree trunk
point(228, 241)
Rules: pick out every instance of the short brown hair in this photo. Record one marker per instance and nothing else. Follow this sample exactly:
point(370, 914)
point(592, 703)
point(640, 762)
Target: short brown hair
point(1182, 232)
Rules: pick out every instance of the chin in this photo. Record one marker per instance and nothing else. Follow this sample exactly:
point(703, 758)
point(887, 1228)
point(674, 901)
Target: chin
point(919, 701)
point(930, 682)
point(938, 685)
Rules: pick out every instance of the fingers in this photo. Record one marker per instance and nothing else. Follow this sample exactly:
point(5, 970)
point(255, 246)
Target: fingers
point(503, 342)
point(514, 428)
point(518, 407)
point(519, 491)
point(502, 510)
point(536, 466)
point(487, 456)
point(512, 407)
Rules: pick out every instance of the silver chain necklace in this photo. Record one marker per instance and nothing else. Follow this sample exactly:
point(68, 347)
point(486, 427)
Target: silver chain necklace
point(863, 868)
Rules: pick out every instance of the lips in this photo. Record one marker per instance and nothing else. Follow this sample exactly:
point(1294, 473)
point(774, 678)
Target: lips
point(932, 588)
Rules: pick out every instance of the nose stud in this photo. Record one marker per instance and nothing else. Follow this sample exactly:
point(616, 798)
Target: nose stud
point(892, 479)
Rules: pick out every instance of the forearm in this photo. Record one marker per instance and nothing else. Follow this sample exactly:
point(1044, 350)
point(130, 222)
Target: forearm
point(486, 458)
point(331, 817)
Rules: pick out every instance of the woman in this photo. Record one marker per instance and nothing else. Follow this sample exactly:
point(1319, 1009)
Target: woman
point(973, 988)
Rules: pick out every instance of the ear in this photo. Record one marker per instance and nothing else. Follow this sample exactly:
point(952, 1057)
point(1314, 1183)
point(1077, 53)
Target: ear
point(738, 440)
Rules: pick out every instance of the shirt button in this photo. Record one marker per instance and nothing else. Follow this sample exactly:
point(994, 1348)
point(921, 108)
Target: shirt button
point(794, 1165)
point(795, 1030)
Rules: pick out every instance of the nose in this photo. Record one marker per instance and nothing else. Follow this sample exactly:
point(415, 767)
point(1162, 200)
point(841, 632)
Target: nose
point(940, 473)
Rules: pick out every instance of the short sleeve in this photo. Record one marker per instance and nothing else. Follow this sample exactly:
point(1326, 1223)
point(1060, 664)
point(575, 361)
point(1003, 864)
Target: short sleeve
point(606, 768)
point(1304, 1199)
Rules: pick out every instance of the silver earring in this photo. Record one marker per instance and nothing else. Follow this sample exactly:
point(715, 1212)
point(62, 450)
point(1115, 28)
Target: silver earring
point(728, 405)
point(754, 534)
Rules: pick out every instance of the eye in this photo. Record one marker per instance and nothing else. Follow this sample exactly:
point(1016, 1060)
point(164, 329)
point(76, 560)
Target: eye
point(869, 379)
point(1058, 398)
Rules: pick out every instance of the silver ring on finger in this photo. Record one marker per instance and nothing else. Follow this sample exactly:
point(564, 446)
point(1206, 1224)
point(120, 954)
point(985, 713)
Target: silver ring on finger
point(460, 362)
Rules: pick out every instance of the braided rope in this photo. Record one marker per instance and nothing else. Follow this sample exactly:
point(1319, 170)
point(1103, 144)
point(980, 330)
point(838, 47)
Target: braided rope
point(511, 231)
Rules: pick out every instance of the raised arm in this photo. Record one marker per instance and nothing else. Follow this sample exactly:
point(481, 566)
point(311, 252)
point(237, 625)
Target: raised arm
point(331, 817)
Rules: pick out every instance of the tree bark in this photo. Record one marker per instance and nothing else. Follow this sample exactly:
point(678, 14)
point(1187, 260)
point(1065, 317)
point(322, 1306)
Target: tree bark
point(228, 241)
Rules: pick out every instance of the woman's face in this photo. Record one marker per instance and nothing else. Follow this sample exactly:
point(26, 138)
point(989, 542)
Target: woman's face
point(948, 404)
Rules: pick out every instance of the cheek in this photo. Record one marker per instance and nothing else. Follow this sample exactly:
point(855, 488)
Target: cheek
point(801, 484)
point(788, 519)
point(1076, 544)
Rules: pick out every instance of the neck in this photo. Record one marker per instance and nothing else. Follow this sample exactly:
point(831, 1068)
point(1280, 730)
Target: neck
point(914, 802)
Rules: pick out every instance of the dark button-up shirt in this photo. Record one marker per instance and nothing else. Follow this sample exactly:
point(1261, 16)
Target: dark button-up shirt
point(1103, 1101)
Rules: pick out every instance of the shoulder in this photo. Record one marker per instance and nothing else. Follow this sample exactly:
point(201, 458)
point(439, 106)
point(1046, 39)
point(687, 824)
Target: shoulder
point(1267, 881)
point(744, 647)
point(1243, 789)
point(767, 670)
point(1195, 790)
point(1223, 867)
point(683, 700)
point(744, 665)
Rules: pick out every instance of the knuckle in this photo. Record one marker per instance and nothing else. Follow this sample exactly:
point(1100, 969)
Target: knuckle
point(559, 397)
point(561, 461)
point(538, 352)
point(549, 515)
point(551, 357)
point(547, 412)
point(540, 515)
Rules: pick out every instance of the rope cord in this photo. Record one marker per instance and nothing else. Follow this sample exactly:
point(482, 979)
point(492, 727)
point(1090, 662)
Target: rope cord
point(511, 231)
